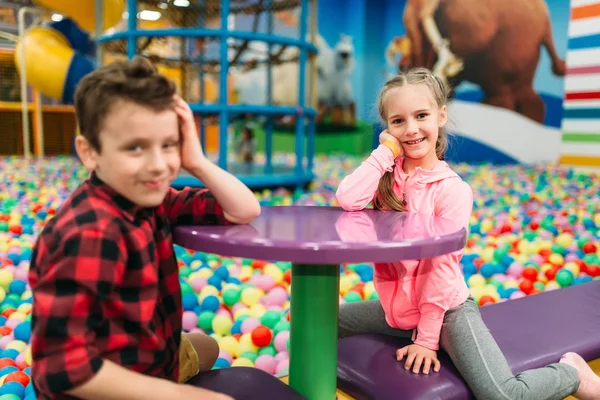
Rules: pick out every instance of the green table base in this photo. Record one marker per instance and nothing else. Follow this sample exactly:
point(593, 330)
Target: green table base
point(314, 330)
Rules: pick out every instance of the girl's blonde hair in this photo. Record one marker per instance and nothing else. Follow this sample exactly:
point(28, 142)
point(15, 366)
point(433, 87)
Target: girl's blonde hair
point(385, 197)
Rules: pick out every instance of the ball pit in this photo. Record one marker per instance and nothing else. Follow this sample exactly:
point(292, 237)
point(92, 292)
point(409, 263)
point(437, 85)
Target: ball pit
point(532, 230)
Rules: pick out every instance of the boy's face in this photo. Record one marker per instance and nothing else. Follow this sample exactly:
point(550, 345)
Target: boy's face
point(140, 154)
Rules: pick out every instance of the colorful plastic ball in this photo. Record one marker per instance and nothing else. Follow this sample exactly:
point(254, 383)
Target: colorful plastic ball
point(261, 336)
point(242, 362)
point(211, 303)
point(266, 363)
point(221, 324)
point(281, 340)
point(19, 377)
point(205, 320)
point(564, 277)
point(221, 363)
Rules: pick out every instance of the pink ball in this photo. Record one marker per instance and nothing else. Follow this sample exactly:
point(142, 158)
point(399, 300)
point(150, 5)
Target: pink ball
point(21, 275)
point(537, 259)
point(12, 323)
point(222, 311)
point(515, 270)
point(20, 358)
point(267, 363)
point(282, 366)
point(275, 308)
point(266, 282)
point(224, 354)
point(282, 355)
point(281, 340)
point(189, 321)
point(10, 268)
point(517, 295)
point(198, 284)
point(499, 277)
point(197, 329)
point(249, 324)
point(571, 257)
point(278, 296)
point(6, 340)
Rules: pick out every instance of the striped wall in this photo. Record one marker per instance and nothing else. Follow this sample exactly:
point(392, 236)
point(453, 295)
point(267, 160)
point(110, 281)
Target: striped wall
point(581, 119)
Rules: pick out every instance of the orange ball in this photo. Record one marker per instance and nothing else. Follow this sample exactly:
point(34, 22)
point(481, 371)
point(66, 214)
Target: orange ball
point(530, 273)
point(485, 299)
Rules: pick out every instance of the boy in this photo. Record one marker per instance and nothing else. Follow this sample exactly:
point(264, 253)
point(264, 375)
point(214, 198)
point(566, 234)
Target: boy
point(107, 300)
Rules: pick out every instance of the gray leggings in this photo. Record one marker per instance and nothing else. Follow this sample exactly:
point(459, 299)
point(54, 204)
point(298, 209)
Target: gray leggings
point(473, 351)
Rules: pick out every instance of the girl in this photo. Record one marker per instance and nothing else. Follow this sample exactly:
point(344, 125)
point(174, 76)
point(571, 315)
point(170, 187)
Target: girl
point(428, 300)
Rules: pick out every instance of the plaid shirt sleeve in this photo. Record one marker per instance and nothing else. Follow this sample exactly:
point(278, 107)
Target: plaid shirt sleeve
point(193, 207)
point(79, 272)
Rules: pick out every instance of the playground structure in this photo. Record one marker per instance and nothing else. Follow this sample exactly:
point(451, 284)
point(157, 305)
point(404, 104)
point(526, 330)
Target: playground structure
point(196, 45)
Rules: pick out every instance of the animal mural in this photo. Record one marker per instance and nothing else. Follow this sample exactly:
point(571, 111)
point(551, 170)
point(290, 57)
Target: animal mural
point(493, 44)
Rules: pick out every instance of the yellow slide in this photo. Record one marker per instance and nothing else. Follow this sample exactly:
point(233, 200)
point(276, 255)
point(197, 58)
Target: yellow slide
point(52, 65)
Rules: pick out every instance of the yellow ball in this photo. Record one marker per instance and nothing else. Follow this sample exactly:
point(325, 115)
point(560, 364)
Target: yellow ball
point(476, 280)
point(274, 271)
point(251, 296)
point(194, 265)
point(241, 311)
point(345, 284)
point(213, 264)
point(17, 315)
point(488, 254)
point(222, 324)
point(6, 278)
point(2, 379)
point(28, 355)
point(573, 267)
point(229, 344)
point(369, 288)
point(556, 259)
point(545, 267)
point(246, 338)
point(205, 273)
point(486, 226)
point(511, 284)
point(245, 273)
point(257, 310)
point(242, 362)
point(18, 345)
point(208, 290)
point(597, 219)
point(24, 308)
point(216, 336)
point(564, 239)
point(552, 285)
point(476, 293)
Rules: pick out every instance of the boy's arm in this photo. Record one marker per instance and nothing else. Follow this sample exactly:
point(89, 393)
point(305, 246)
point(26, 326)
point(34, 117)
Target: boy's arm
point(237, 201)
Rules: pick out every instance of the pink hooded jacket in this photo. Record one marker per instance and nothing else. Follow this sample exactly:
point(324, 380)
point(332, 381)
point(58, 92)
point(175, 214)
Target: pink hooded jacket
point(415, 293)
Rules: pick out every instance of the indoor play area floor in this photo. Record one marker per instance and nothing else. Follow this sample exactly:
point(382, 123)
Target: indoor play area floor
point(533, 229)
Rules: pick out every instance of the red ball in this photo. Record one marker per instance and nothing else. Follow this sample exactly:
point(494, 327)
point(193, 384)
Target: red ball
point(526, 286)
point(486, 299)
point(534, 225)
point(551, 273)
point(7, 362)
point(545, 252)
point(530, 273)
point(478, 262)
point(287, 276)
point(258, 264)
point(505, 228)
point(589, 248)
point(261, 336)
point(593, 270)
point(18, 376)
point(5, 330)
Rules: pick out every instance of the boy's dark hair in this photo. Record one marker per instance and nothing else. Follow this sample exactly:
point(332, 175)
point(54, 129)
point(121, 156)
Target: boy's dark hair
point(136, 81)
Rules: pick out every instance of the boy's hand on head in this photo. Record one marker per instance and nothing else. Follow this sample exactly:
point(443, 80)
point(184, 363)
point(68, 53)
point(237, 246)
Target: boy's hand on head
point(386, 136)
point(417, 356)
point(191, 150)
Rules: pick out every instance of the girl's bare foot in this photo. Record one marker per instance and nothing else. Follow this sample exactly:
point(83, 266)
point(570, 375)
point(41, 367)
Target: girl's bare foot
point(589, 386)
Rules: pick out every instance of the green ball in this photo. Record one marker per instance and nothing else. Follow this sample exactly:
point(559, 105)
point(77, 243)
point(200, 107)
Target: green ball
point(205, 320)
point(249, 355)
point(282, 325)
point(564, 277)
point(539, 285)
point(6, 304)
point(352, 297)
point(558, 249)
point(186, 289)
point(3, 226)
point(184, 271)
point(231, 296)
point(374, 296)
point(497, 284)
point(530, 235)
point(270, 318)
point(247, 262)
point(13, 298)
point(9, 397)
point(269, 350)
point(283, 266)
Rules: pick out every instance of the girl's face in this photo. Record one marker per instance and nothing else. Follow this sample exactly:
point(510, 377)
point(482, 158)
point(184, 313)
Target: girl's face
point(414, 118)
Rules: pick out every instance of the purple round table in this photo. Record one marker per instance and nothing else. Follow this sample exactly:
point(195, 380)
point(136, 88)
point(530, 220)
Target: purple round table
point(316, 240)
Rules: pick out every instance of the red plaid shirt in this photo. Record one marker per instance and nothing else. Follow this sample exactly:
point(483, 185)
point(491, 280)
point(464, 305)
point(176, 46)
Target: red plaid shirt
point(105, 284)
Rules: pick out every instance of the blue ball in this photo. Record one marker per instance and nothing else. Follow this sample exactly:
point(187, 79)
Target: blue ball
point(222, 272)
point(8, 369)
point(189, 301)
point(23, 331)
point(15, 258)
point(10, 353)
point(221, 363)
point(215, 281)
point(12, 388)
point(28, 372)
point(233, 280)
point(26, 254)
point(506, 261)
point(198, 309)
point(237, 327)
point(17, 287)
point(469, 268)
point(211, 303)
point(487, 270)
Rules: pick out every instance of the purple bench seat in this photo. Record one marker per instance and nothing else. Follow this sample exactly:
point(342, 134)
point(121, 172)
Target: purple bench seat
point(245, 383)
point(532, 332)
